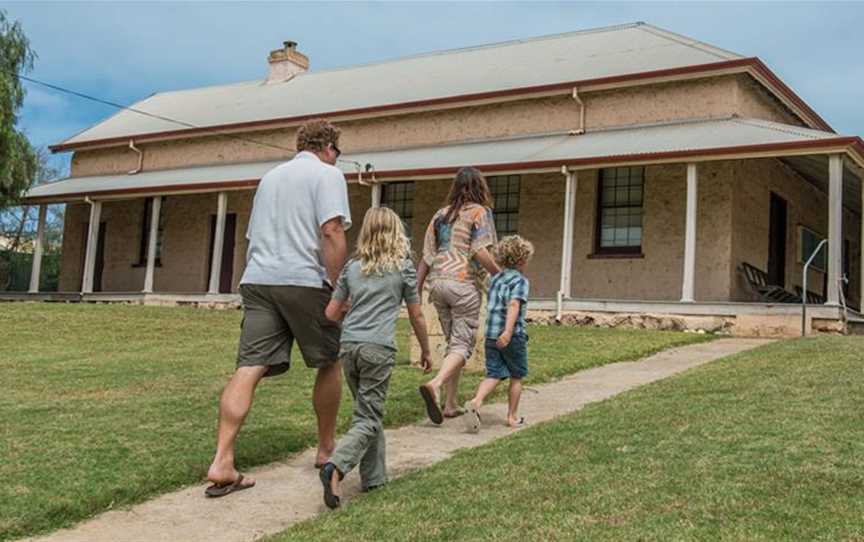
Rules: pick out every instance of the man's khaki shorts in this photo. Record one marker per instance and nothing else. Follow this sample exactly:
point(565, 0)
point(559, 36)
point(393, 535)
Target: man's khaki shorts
point(274, 316)
point(458, 306)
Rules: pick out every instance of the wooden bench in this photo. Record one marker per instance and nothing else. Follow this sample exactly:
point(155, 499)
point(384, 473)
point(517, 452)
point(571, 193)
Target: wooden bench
point(812, 297)
point(758, 281)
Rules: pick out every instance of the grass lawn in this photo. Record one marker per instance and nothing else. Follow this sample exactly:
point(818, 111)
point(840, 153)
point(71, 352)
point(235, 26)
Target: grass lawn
point(765, 445)
point(107, 405)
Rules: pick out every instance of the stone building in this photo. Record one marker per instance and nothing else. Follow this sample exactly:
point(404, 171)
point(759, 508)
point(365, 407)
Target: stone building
point(646, 166)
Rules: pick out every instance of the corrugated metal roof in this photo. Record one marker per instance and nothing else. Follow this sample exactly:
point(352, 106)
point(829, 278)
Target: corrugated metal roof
point(558, 148)
point(552, 59)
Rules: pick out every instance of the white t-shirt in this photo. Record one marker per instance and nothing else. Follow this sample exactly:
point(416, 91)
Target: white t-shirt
point(291, 203)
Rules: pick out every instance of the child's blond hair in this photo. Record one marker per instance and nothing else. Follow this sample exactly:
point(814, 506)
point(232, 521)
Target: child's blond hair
point(513, 251)
point(382, 245)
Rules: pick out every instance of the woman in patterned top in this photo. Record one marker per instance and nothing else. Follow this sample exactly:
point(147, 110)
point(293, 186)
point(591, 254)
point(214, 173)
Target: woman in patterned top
point(457, 262)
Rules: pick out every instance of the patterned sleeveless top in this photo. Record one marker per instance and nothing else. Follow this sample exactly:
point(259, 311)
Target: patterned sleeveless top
point(449, 247)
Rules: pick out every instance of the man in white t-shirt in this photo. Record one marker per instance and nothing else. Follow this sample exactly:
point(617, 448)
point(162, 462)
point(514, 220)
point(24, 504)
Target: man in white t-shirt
point(296, 251)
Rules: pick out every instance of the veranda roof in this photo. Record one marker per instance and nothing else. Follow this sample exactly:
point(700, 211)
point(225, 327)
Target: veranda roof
point(669, 142)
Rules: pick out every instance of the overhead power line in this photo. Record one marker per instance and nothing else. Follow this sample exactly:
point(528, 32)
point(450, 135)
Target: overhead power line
point(103, 101)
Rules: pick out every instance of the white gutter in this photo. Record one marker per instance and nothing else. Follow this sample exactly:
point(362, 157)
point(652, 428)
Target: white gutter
point(564, 289)
point(140, 157)
point(581, 129)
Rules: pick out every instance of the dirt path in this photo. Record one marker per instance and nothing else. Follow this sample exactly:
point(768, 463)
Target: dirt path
point(290, 492)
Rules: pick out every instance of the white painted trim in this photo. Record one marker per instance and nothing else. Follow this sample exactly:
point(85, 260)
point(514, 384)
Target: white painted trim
point(570, 187)
point(687, 286)
point(92, 243)
point(690, 309)
point(218, 241)
point(835, 227)
point(151, 244)
point(37, 251)
point(376, 195)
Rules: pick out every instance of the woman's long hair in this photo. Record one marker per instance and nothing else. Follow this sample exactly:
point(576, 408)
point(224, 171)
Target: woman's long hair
point(382, 246)
point(469, 186)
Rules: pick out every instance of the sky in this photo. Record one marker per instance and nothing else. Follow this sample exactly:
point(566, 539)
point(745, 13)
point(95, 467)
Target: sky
point(126, 51)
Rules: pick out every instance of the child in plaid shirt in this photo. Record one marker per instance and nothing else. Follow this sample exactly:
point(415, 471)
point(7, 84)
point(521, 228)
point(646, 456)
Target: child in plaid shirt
point(506, 337)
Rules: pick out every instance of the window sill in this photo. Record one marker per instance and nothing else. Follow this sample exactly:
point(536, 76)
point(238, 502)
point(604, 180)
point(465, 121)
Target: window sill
point(137, 265)
point(616, 256)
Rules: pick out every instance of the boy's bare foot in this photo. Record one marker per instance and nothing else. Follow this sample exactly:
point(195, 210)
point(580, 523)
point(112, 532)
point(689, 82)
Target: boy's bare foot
point(516, 423)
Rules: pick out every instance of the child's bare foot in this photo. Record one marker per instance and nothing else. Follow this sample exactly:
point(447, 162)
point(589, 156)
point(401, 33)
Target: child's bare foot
point(515, 423)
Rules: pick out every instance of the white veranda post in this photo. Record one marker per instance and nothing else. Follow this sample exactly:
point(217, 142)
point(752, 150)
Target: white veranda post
point(92, 242)
point(218, 240)
point(376, 195)
point(571, 182)
point(151, 244)
point(835, 227)
point(687, 287)
point(37, 251)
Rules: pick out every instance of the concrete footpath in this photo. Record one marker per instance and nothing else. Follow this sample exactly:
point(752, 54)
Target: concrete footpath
point(288, 492)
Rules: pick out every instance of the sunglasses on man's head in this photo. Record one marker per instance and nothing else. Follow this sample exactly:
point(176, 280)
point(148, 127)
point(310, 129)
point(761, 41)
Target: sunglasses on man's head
point(335, 148)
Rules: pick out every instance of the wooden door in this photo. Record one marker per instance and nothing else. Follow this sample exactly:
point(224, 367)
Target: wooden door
point(777, 241)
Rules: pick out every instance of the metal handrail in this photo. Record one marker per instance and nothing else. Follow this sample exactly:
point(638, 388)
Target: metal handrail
point(804, 287)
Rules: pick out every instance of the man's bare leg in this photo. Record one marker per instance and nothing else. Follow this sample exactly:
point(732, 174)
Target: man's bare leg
point(325, 398)
point(451, 394)
point(234, 405)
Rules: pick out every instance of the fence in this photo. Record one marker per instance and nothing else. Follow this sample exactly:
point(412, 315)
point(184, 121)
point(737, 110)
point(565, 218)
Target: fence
point(15, 268)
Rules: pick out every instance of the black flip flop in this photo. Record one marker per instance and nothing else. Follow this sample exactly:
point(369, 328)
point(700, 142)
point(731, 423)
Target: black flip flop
point(459, 412)
point(220, 490)
point(326, 475)
point(432, 408)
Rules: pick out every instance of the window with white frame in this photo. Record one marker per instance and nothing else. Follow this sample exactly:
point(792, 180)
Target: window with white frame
point(505, 191)
point(620, 209)
point(400, 197)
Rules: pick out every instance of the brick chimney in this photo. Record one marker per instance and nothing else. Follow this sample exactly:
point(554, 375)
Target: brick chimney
point(286, 62)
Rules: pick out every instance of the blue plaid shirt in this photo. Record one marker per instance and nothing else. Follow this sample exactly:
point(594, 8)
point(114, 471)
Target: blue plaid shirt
point(507, 285)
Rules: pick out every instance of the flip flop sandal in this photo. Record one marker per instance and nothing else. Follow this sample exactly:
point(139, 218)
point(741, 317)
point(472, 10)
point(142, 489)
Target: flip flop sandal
point(472, 418)
point(220, 490)
point(432, 408)
point(520, 423)
point(326, 475)
point(459, 412)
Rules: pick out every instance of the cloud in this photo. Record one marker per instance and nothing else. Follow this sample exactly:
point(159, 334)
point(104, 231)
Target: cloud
point(127, 51)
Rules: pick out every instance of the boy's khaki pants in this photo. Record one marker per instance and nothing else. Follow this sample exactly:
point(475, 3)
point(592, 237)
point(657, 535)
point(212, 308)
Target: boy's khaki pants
point(367, 369)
